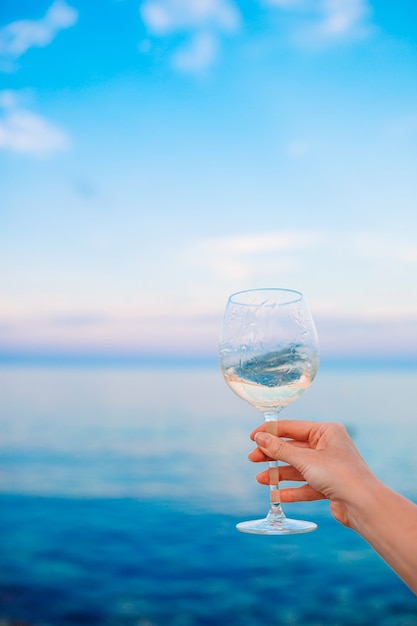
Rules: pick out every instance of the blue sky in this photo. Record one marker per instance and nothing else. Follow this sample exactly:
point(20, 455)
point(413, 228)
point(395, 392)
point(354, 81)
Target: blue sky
point(157, 155)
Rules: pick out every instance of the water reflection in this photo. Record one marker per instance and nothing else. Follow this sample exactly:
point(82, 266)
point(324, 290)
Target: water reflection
point(146, 474)
point(179, 433)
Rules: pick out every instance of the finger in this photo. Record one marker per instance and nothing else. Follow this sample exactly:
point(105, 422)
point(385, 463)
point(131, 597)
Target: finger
point(291, 442)
point(305, 493)
point(298, 444)
point(293, 429)
point(271, 427)
point(288, 472)
point(285, 472)
point(263, 477)
point(257, 456)
point(296, 429)
point(281, 450)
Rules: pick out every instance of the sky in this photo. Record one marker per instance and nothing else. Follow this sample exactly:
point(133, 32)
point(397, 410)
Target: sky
point(159, 155)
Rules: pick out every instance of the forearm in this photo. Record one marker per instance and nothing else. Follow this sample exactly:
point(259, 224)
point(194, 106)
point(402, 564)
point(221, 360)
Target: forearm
point(388, 522)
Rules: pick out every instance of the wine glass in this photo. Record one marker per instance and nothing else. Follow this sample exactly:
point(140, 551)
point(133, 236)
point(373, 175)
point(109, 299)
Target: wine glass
point(269, 356)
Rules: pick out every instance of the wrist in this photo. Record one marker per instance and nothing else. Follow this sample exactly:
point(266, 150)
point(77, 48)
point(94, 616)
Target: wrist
point(367, 500)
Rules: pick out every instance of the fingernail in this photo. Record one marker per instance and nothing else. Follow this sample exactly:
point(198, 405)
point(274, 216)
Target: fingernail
point(262, 439)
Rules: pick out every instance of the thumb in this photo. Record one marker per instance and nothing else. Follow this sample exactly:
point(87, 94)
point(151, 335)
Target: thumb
point(278, 449)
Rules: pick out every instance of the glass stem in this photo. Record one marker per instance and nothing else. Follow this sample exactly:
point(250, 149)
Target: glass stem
point(275, 509)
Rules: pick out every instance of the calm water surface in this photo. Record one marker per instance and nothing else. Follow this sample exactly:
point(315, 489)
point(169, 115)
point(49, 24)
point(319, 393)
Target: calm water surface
point(120, 490)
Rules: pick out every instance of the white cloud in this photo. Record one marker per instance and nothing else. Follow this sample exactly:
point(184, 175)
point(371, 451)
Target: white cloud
point(26, 132)
point(167, 16)
point(384, 248)
point(197, 54)
point(326, 21)
point(195, 28)
point(18, 37)
point(341, 273)
point(341, 17)
point(202, 22)
point(286, 4)
point(241, 259)
point(263, 242)
point(359, 287)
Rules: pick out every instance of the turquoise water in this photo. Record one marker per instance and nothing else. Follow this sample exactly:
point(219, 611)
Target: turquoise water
point(120, 490)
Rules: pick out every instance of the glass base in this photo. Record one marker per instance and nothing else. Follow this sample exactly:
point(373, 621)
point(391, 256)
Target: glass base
point(281, 526)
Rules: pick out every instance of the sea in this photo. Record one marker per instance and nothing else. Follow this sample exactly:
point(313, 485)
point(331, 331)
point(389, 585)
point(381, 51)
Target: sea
point(121, 486)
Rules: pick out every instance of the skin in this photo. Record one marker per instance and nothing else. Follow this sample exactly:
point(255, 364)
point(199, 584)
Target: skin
point(325, 459)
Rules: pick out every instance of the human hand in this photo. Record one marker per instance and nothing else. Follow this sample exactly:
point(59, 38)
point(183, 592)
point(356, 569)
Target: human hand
point(322, 455)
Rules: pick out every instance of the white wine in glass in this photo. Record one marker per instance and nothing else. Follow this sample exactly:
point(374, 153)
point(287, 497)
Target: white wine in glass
point(269, 356)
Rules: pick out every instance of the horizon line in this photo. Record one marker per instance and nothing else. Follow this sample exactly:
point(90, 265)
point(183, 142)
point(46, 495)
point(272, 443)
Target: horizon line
point(172, 360)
